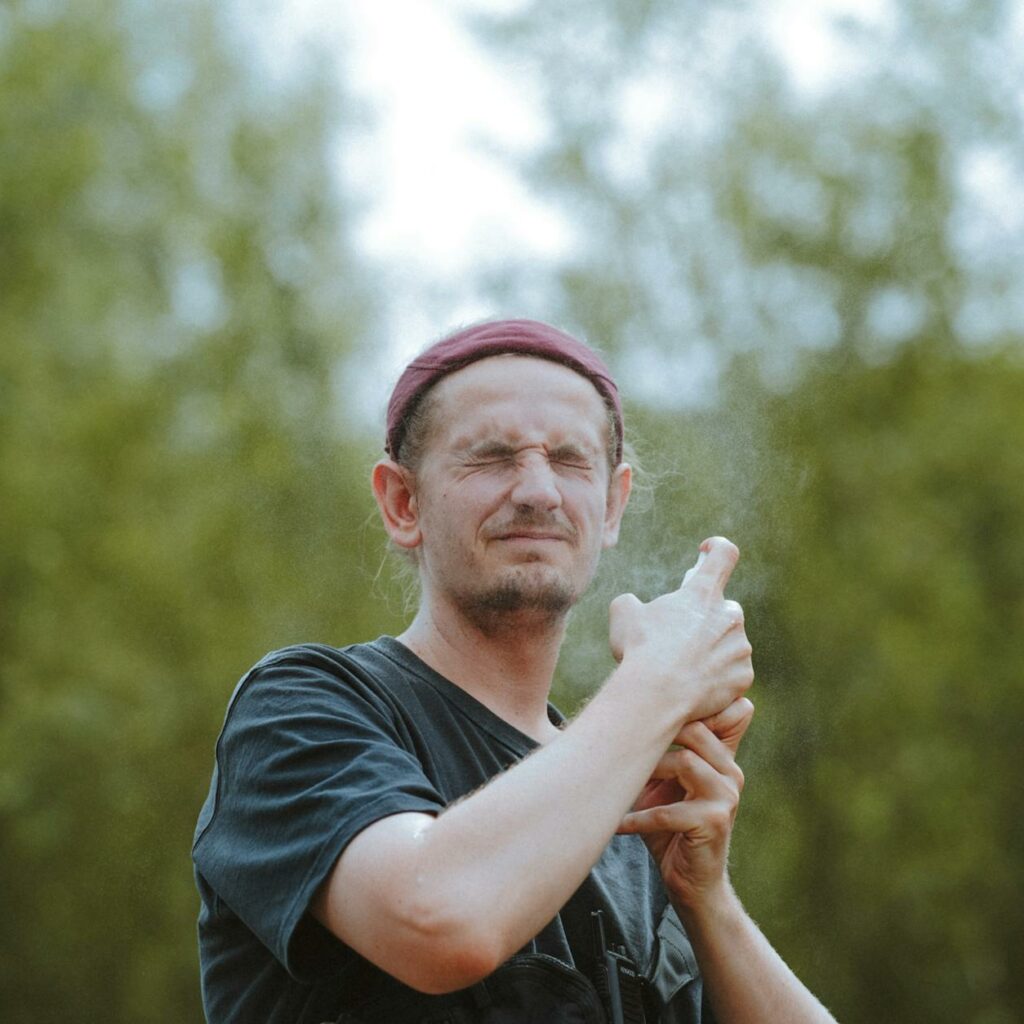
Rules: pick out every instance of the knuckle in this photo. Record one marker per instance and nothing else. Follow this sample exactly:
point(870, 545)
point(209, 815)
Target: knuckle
point(661, 818)
point(744, 681)
point(720, 818)
point(688, 735)
point(688, 760)
point(681, 764)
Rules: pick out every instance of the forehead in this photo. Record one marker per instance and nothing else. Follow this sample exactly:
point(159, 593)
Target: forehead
point(520, 398)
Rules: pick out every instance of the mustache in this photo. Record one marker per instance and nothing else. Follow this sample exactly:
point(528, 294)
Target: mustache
point(532, 521)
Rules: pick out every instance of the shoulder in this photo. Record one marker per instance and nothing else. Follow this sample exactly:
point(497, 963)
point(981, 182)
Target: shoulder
point(302, 711)
point(308, 673)
point(318, 689)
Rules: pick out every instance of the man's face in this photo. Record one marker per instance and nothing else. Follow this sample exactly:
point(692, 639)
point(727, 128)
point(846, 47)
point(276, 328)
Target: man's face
point(514, 495)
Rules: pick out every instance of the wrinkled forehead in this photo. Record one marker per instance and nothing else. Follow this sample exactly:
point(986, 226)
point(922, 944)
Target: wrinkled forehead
point(519, 399)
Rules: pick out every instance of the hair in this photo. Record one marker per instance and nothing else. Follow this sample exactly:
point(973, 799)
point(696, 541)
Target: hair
point(416, 430)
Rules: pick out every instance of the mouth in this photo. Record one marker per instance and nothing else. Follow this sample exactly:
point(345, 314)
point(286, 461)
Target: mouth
point(527, 537)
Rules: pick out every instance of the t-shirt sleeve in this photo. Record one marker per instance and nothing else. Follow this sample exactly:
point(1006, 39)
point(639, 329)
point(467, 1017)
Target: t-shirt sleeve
point(307, 759)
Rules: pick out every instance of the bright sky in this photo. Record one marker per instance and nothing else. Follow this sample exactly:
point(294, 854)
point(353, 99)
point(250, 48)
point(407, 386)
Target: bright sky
point(438, 200)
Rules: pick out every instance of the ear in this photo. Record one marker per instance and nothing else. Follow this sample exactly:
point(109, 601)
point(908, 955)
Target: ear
point(396, 498)
point(618, 495)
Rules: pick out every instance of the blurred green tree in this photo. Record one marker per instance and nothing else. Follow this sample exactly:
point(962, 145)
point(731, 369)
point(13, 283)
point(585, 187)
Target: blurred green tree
point(813, 297)
point(179, 478)
point(885, 841)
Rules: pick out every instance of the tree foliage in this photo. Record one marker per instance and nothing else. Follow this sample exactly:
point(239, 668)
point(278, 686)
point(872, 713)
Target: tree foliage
point(893, 689)
point(178, 476)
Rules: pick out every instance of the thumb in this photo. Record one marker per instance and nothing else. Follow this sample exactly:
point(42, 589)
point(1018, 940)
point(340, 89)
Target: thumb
point(715, 567)
point(701, 556)
point(730, 724)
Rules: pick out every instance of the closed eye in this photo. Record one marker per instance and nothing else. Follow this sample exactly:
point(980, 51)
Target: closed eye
point(570, 457)
point(566, 456)
point(490, 455)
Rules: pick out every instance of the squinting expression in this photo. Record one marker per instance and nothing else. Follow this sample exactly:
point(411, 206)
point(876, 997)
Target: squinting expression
point(513, 493)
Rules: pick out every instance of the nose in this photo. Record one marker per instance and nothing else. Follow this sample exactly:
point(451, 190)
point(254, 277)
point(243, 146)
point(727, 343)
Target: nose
point(535, 485)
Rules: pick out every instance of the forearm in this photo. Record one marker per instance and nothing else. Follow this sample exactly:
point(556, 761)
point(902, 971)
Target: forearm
point(746, 981)
point(432, 904)
point(537, 829)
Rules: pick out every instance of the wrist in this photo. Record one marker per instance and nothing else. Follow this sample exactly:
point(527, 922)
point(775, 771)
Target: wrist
point(713, 906)
point(670, 690)
point(650, 696)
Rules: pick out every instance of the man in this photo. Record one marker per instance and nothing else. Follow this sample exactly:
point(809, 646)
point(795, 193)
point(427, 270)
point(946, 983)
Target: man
point(406, 831)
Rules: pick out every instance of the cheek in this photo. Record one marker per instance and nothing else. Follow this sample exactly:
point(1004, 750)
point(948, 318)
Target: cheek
point(477, 499)
point(454, 514)
point(590, 504)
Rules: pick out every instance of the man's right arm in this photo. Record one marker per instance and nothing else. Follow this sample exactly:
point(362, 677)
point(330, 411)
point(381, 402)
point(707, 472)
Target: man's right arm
point(441, 902)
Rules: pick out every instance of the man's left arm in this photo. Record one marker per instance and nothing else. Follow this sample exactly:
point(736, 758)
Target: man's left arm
point(685, 815)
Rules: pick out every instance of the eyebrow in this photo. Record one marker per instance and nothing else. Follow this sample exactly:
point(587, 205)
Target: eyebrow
point(503, 449)
point(494, 449)
point(571, 451)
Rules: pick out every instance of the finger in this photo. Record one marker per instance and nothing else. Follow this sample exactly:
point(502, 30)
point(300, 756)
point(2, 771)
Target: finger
point(623, 604)
point(701, 556)
point(620, 612)
point(712, 771)
point(730, 724)
point(699, 817)
point(702, 763)
point(739, 711)
point(713, 571)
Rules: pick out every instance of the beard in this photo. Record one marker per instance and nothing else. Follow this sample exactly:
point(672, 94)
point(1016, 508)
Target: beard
point(519, 601)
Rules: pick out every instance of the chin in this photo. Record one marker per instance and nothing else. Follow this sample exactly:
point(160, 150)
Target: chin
point(540, 598)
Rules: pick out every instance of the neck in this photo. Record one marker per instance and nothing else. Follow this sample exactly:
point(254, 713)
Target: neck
point(506, 664)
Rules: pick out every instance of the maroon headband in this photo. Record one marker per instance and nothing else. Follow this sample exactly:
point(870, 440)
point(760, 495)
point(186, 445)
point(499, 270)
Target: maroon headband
point(493, 338)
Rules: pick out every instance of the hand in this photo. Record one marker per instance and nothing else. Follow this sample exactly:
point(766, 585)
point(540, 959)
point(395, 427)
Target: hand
point(731, 725)
point(691, 642)
point(686, 811)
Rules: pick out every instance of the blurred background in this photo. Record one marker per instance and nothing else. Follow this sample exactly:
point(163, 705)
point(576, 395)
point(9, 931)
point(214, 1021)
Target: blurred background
point(797, 231)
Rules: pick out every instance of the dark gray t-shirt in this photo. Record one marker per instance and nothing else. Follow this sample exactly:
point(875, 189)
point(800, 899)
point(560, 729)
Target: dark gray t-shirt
point(318, 743)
